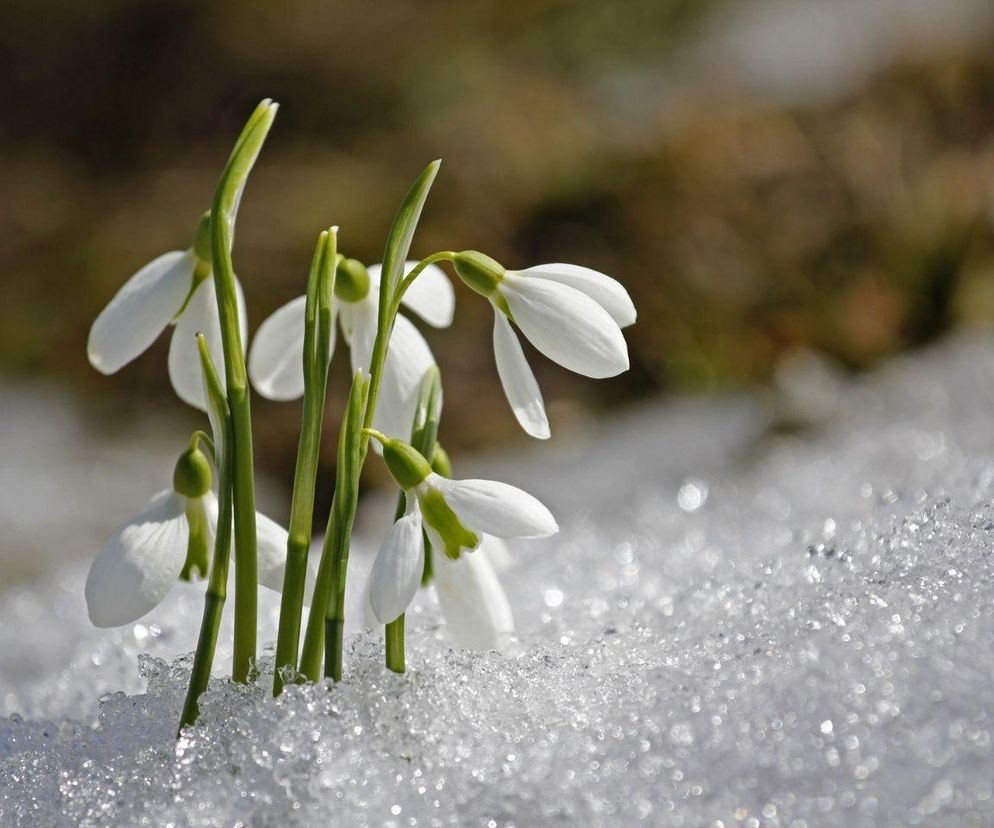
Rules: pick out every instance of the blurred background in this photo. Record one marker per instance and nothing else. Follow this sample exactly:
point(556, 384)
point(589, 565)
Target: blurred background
point(779, 183)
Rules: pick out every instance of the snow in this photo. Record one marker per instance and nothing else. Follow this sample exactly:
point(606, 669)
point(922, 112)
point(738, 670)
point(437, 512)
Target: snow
point(737, 626)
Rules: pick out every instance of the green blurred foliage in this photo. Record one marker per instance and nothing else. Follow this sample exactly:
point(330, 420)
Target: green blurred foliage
point(743, 230)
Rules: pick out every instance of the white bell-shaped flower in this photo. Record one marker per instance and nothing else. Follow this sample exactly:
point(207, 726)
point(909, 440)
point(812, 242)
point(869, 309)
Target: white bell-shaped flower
point(276, 358)
point(176, 288)
point(474, 605)
point(142, 560)
point(455, 514)
point(572, 314)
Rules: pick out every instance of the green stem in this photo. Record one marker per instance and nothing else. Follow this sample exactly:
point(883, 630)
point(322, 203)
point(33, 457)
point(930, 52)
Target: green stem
point(424, 436)
point(329, 592)
point(395, 645)
point(203, 660)
point(441, 256)
point(239, 444)
point(317, 341)
point(328, 606)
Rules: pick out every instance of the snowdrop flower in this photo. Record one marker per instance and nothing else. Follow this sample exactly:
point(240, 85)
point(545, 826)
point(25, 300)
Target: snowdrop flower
point(276, 359)
point(473, 603)
point(169, 540)
point(176, 288)
point(454, 514)
point(572, 314)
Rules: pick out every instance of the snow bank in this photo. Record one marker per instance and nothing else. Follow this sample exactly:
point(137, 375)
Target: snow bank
point(731, 630)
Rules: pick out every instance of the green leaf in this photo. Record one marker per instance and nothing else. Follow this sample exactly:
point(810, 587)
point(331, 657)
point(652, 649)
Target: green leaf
point(402, 233)
point(228, 195)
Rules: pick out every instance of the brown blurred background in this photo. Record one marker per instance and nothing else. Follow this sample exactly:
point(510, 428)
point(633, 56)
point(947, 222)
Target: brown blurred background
point(765, 177)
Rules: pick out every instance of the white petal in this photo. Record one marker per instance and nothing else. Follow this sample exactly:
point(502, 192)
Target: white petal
point(496, 508)
point(518, 380)
point(431, 295)
point(495, 551)
point(200, 316)
point(358, 321)
point(567, 326)
point(275, 362)
point(140, 311)
point(140, 563)
point(397, 569)
point(408, 358)
point(609, 293)
point(476, 609)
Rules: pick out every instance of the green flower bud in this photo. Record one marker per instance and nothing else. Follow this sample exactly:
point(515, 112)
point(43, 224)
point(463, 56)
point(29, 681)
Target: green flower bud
point(406, 464)
point(202, 238)
point(440, 462)
point(479, 271)
point(439, 516)
point(351, 280)
point(192, 475)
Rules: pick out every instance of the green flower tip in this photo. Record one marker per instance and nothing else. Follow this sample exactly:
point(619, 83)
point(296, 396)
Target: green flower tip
point(351, 280)
point(479, 271)
point(406, 464)
point(192, 475)
point(440, 462)
point(440, 517)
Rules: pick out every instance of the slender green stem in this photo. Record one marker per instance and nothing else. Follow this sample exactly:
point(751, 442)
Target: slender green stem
point(203, 660)
point(441, 256)
point(329, 586)
point(328, 605)
point(317, 341)
point(394, 637)
point(424, 436)
point(239, 443)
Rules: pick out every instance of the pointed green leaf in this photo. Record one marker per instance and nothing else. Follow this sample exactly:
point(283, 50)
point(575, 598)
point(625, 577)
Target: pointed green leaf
point(402, 232)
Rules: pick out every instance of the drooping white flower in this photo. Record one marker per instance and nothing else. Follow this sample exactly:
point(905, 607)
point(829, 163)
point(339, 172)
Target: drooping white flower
point(176, 288)
point(456, 515)
point(474, 605)
point(142, 560)
point(572, 314)
point(276, 358)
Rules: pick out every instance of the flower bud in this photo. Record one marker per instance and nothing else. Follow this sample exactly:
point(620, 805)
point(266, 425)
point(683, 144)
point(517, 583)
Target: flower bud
point(202, 238)
point(192, 475)
point(479, 271)
point(351, 280)
point(440, 462)
point(406, 464)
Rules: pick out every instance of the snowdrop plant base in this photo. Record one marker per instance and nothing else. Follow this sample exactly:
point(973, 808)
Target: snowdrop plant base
point(571, 314)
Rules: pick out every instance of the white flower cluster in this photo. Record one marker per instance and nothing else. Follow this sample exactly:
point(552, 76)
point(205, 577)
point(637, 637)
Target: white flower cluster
point(571, 314)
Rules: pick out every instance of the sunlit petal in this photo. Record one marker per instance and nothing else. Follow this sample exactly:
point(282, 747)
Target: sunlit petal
point(200, 316)
point(140, 311)
point(496, 508)
point(609, 293)
point(477, 612)
point(566, 325)
point(139, 563)
point(518, 380)
point(396, 572)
